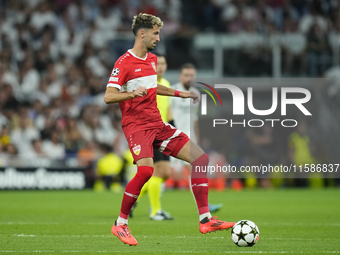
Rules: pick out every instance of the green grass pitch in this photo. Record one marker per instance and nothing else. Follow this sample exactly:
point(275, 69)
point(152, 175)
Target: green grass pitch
point(297, 221)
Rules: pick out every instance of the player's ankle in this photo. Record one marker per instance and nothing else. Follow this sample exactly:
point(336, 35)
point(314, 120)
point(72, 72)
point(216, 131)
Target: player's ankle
point(204, 215)
point(205, 220)
point(121, 220)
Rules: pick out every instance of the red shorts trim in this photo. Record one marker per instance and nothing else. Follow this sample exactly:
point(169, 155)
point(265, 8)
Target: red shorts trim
point(167, 140)
point(179, 146)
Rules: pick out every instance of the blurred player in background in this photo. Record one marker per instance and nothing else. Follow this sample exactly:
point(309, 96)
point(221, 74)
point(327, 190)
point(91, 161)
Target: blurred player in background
point(186, 119)
point(108, 170)
point(133, 83)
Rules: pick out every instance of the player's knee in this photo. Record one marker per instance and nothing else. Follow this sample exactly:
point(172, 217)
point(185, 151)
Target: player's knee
point(202, 160)
point(166, 175)
point(144, 173)
point(205, 159)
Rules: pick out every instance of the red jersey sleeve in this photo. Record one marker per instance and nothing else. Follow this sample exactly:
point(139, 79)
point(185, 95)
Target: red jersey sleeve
point(119, 75)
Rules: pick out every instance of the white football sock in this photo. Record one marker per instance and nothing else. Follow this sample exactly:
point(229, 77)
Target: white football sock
point(202, 216)
point(122, 220)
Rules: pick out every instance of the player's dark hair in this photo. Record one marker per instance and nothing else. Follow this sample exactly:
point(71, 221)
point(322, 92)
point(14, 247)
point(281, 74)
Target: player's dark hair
point(187, 66)
point(146, 21)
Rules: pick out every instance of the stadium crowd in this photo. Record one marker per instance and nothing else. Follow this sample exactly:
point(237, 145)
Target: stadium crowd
point(56, 57)
point(307, 31)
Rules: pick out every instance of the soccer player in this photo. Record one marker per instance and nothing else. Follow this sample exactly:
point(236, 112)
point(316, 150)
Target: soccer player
point(133, 83)
point(162, 168)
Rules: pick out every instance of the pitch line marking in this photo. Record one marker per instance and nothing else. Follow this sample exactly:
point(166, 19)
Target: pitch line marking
point(127, 251)
point(176, 237)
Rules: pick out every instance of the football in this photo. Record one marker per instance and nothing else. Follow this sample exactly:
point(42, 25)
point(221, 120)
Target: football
point(245, 233)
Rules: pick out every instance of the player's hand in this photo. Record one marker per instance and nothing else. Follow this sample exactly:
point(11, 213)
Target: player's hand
point(139, 92)
point(190, 94)
point(194, 96)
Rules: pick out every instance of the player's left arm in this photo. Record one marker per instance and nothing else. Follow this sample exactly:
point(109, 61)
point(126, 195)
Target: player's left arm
point(165, 91)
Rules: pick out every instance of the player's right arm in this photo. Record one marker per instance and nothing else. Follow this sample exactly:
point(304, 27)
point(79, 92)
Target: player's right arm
point(112, 94)
point(118, 78)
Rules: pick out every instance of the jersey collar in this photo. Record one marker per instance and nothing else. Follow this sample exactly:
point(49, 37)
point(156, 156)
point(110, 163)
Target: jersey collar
point(130, 51)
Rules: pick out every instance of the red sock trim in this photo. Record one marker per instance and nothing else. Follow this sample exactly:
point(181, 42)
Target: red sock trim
point(124, 216)
point(198, 181)
point(199, 166)
point(145, 168)
point(204, 209)
point(204, 158)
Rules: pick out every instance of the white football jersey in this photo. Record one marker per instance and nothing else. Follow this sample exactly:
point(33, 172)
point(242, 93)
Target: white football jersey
point(184, 112)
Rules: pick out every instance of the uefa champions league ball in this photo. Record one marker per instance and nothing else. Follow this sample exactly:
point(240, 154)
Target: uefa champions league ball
point(245, 233)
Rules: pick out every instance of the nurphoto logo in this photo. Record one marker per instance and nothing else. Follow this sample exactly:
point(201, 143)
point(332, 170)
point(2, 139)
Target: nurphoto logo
point(238, 102)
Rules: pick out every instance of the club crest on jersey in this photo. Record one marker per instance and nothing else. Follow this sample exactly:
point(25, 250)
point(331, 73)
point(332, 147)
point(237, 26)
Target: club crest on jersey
point(154, 66)
point(115, 71)
point(136, 150)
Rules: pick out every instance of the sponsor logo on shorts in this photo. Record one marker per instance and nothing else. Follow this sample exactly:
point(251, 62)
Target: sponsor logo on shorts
point(138, 70)
point(136, 149)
